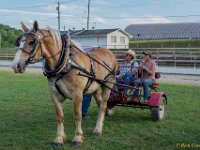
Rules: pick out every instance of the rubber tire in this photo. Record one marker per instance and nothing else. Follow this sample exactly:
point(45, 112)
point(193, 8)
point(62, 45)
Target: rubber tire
point(158, 112)
point(110, 111)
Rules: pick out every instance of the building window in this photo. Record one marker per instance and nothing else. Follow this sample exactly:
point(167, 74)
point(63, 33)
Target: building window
point(122, 39)
point(113, 39)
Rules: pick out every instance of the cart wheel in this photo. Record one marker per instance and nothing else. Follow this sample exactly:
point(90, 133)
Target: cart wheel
point(158, 112)
point(110, 111)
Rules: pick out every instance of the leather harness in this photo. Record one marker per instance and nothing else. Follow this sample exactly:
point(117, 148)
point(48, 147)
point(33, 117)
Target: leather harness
point(64, 64)
point(71, 63)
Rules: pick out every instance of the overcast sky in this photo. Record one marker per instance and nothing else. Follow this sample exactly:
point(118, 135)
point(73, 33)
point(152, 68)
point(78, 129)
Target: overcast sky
point(104, 13)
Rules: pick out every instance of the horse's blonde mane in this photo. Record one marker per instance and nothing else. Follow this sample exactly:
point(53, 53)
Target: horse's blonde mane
point(78, 45)
point(56, 36)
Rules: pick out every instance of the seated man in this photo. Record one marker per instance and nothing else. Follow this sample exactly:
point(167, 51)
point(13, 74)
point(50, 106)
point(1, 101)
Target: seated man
point(147, 69)
point(128, 70)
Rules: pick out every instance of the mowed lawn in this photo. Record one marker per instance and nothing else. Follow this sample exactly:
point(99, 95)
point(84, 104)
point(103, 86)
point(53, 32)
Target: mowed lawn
point(28, 120)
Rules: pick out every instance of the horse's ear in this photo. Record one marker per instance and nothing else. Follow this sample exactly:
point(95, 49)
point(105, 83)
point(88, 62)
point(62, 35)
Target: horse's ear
point(24, 27)
point(35, 26)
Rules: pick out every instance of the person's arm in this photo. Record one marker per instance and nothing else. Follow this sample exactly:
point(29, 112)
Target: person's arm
point(120, 74)
point(150, 71)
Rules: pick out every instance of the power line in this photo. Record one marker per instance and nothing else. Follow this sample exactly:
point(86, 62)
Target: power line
point(24, 7)
point(68, 1)
point(178, 16)
point(94, 17)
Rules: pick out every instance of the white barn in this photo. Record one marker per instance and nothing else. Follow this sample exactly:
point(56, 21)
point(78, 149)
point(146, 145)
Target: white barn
point(107, 38)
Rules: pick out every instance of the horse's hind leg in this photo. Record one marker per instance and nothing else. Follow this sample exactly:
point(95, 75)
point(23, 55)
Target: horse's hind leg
point(98, 97)
point(103, 97)
point(78, 138)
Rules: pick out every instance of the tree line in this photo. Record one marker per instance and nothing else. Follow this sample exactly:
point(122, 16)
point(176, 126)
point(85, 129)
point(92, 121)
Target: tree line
point(9, 36)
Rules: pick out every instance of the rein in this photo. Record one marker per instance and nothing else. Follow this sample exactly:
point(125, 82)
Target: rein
point(104, 64)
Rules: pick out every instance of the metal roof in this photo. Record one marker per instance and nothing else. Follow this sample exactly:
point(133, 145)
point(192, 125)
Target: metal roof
point(96, 32)
point(164, 31)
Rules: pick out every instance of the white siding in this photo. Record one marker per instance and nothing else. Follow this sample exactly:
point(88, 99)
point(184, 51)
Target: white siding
point(91, 41)
point(118, 44)
point(114, 40)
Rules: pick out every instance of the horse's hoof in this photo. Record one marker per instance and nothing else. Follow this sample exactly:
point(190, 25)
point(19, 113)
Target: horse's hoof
point(76, 143)
point(57, 145)
point(97, 134)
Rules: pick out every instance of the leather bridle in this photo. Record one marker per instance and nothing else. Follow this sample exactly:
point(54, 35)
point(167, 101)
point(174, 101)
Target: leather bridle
point(36, 45)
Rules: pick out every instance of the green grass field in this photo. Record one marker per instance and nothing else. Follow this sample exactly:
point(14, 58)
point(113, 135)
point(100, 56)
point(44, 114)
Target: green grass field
point(28, 120)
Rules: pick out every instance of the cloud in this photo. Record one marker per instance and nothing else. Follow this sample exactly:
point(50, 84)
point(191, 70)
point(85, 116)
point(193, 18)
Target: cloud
point(152, 19)
point(100, 20)
point(75, 15)
point(11, 11)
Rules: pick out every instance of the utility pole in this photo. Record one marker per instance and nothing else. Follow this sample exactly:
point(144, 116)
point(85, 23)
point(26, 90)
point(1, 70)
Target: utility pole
point(88, 17)
point(58, 9)
point(64, 28)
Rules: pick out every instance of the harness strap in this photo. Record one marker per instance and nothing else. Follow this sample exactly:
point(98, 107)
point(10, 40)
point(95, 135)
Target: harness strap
point(58, 89)
point(93, 74)
point(104, 64)
point(104, 84)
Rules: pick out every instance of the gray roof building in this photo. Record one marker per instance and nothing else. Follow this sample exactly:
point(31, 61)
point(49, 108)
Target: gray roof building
point(108, 38)
point(95, 32)
point(164, 31)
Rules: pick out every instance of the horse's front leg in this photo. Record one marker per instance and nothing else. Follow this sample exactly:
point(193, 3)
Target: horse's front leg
point(60, 135)
point(78, 138)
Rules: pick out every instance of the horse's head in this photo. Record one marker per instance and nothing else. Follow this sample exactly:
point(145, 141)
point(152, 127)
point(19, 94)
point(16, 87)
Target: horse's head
point(29, 50)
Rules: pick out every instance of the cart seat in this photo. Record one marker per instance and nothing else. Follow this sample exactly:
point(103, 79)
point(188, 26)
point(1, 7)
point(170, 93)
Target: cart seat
point(157, 75)
point(155, 85)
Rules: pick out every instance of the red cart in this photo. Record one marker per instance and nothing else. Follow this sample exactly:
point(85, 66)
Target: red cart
point(157, 102)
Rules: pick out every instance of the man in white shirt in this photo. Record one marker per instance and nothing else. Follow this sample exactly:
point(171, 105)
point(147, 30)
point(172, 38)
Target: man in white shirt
point(128, 70)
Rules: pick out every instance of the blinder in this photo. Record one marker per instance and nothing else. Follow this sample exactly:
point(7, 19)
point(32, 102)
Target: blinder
point(35, 44)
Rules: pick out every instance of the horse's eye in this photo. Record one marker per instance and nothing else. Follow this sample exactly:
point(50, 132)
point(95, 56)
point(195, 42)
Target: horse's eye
point(31, 43)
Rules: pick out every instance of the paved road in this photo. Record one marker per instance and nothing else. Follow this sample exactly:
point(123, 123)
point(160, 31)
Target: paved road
point(8, 64)
point(169, 78)
point(170, 70)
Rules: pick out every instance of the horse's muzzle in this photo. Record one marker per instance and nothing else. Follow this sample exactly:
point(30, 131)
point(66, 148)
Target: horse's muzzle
point(17, 68)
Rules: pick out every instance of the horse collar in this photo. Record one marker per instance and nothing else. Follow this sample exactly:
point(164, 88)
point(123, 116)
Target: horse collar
point(47, 71)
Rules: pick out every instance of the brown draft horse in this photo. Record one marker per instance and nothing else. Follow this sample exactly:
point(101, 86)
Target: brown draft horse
point(46, 43)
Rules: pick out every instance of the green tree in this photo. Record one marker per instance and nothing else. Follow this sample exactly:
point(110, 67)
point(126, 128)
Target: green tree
point(9, 36)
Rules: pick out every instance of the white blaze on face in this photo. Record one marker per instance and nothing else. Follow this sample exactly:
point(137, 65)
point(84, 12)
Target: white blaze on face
point(17, 56)
point(16, 60)
point(19, 52)
point(19, 62)
point(22, 44)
